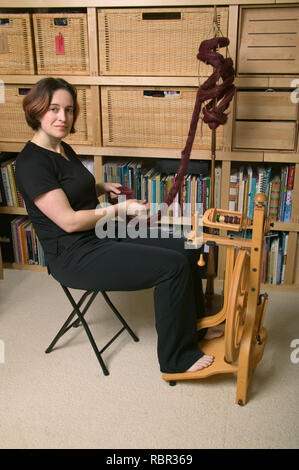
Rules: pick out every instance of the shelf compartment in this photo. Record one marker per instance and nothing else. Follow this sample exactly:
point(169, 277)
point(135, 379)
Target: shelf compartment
point(13, 126)
point(269, 41)
point(61, 42)
point(273, 105)
point(16, 48)
point(156, 41)
point(264, 135)
point(265, 120)
point(152, 117)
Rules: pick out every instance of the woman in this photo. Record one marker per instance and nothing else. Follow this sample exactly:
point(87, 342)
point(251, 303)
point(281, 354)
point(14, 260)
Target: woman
point(61, 198)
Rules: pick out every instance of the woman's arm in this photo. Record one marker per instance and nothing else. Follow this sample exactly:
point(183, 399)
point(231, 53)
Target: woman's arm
point(55, 205)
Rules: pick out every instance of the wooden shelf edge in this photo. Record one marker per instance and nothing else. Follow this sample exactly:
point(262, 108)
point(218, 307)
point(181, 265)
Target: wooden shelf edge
point(285, 226)
point(219, 284)
point(128, 3)
point(28, 267)
point(13, 210)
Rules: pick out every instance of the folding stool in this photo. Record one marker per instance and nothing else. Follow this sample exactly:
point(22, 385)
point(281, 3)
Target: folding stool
point(81, 320)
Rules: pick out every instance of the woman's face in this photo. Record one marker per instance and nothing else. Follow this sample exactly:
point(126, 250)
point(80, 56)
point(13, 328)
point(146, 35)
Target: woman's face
point(57, 121)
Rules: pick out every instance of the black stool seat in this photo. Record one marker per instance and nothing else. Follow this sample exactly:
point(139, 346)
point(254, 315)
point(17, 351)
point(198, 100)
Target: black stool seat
point(81, 320)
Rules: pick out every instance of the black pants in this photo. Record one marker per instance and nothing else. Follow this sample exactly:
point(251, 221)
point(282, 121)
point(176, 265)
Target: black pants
point(134, 264)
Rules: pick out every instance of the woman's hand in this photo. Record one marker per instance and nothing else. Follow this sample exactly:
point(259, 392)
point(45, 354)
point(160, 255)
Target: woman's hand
point(111, 189)
point(133, 207)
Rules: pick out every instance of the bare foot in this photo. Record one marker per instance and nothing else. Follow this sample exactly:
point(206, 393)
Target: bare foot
point(202, 363)
point(213, 332)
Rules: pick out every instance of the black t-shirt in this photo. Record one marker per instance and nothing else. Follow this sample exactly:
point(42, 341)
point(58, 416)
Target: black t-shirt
point(39, 170)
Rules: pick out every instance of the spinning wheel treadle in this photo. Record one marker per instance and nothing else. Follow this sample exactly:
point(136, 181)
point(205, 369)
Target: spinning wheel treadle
point(236, 308)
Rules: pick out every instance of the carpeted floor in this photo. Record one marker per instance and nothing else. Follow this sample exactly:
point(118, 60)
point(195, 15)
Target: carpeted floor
point(62, 400)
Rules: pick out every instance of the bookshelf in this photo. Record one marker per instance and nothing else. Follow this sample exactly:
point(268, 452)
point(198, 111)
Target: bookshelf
point(238, 146)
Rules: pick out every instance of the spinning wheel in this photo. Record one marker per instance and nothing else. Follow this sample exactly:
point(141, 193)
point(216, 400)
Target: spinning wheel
point(242, 346)
point(237, 304)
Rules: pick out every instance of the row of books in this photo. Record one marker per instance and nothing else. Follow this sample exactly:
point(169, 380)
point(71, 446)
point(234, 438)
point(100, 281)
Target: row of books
point(9, 194)
point(276, 184)
point(26, 246)
point(154, 186)
point(274, 257)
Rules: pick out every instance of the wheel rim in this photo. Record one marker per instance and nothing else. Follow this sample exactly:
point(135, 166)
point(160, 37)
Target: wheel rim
point(236, 307)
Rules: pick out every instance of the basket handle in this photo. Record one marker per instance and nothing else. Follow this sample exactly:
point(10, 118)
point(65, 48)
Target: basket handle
point(23, 91)
point(60, 21)
point(167, 15)
point(170, 94)
point(4, 21)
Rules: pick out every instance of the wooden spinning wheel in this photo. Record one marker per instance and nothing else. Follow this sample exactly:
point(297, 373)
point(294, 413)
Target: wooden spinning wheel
point(241, 347)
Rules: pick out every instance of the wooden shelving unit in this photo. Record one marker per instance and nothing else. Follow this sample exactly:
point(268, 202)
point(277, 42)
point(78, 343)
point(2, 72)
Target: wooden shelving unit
point(227, 155)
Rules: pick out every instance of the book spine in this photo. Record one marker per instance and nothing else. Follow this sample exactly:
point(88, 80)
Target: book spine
point(291, 175)
point(12, 183)
point(14, 239)
point(6, 185)
point(288, 206)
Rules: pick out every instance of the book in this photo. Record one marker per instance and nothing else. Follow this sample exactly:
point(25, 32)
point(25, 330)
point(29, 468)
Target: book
point(261, 180)
point(245, 199)
point(15, 224)
point(217, 188)
point(279, 262)
point(288, 205)
point(233, 191)
point(6, 185)
point(283, 189)
point(249, 178)
point(252, 195)
point(12, 183)
point(241, 189)
point(274, 192)
point(285, 238)
point(273, 260)
point(291, 175)
point(268, 178)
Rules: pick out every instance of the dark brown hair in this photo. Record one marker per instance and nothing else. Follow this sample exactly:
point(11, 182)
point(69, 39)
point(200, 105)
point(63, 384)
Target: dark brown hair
point(38, 100)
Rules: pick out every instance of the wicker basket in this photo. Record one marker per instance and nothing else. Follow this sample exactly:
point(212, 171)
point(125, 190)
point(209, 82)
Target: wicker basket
point(151, 117)
point(156, 41)
point(13, 126)
point(16, 51)
point(61, 43)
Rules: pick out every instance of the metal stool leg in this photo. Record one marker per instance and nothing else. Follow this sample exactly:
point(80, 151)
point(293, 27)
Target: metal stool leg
point(66, 326)
point(86, 327)
point(76, 311)
point(121, 319)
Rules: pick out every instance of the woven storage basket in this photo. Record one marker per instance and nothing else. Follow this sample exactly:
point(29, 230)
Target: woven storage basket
point(13, 126)
point(16, 51)
point(61, 43)
point(156, 41)
point(131, 117)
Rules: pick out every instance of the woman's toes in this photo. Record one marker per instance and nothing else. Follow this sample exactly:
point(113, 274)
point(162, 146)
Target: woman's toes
point(202, 363)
